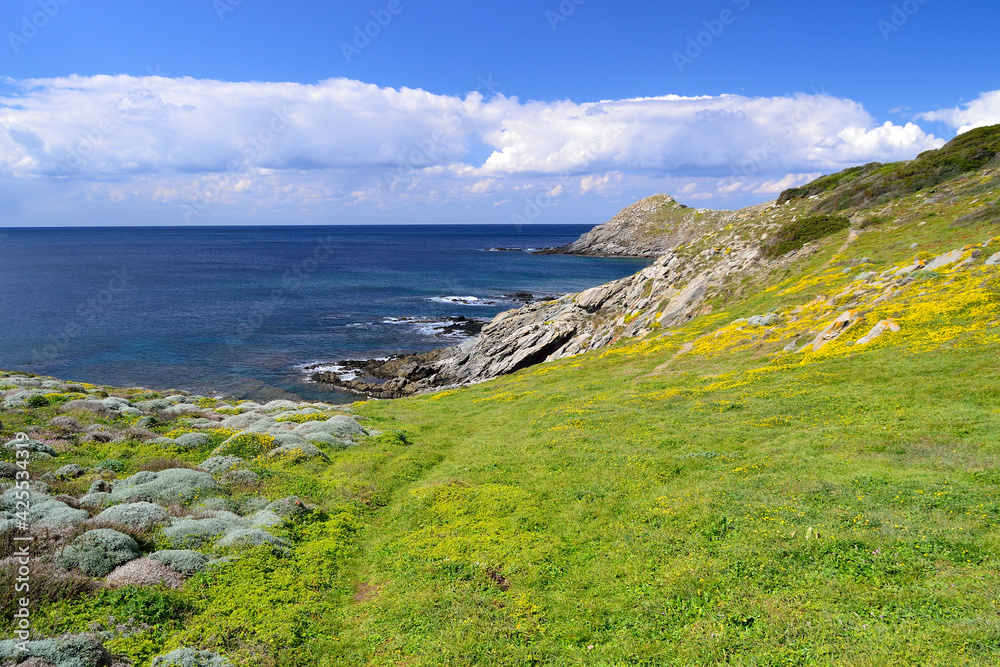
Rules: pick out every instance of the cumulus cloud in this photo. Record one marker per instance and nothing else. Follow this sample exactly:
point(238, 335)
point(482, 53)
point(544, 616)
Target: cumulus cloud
point(982, 111)
point(198, 142)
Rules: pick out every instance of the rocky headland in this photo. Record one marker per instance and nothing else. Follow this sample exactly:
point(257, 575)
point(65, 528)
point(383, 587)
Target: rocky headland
point(648, 228)
point(702, 256)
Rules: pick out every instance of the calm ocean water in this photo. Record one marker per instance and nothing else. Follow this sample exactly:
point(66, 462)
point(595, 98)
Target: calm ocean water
point(242, 310)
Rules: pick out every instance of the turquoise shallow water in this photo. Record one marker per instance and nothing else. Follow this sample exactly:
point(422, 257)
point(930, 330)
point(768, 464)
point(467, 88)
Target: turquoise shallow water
point(243, 310)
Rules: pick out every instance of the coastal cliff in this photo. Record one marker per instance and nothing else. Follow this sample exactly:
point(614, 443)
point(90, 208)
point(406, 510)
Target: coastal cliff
point(706, 258)
point(699, 252)
point(648, 228)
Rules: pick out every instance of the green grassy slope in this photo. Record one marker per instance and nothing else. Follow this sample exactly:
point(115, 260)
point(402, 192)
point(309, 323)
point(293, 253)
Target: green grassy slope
point(699, 497)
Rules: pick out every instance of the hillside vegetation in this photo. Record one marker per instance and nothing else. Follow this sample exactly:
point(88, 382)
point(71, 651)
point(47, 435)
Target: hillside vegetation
point(803, 472)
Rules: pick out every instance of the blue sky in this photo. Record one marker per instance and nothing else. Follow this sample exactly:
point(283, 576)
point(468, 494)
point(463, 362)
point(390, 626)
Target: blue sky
point(466, 111)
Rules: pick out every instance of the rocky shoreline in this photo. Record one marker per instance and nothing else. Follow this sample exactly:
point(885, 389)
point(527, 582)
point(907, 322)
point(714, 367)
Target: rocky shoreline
point(665, 294)
point(395, 377)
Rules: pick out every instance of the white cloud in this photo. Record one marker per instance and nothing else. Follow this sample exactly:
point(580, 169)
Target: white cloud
point(205, 144)
point(776, 187)
point(597, 183)
point(982, 111)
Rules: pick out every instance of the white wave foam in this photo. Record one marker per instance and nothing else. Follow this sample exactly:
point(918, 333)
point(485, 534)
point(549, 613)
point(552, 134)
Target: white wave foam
point(463, 300)
point(435, 328)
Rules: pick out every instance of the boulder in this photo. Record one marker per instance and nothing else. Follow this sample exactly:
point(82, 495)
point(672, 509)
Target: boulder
point(994, 260)
point(878, 330)
point(185, 561)
point(98, 552)
point(139, 515)
point(144, 572)
point(943, 260)
point(845, 321)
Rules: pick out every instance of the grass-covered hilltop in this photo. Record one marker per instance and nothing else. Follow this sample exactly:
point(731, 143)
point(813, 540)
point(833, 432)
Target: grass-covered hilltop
point(777, 445)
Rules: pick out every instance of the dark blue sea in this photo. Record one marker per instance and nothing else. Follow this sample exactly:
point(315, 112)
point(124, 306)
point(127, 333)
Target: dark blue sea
point(245, 310)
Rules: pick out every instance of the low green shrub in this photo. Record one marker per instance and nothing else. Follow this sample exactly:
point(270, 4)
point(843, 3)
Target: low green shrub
point(794, 235)
point(38, 401)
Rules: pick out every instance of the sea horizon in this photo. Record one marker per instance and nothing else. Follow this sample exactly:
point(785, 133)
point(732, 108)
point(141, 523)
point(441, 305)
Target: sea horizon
point(247, 311)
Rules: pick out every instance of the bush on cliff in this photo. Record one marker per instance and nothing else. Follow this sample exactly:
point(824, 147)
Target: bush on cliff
point(794, 235)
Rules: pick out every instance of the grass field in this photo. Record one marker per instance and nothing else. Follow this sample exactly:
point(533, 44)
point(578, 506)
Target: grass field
point(695, 498)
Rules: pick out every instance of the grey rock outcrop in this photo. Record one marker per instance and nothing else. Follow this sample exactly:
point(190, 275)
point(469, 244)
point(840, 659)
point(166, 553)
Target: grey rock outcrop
point(665, 294)
point(647, 228)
